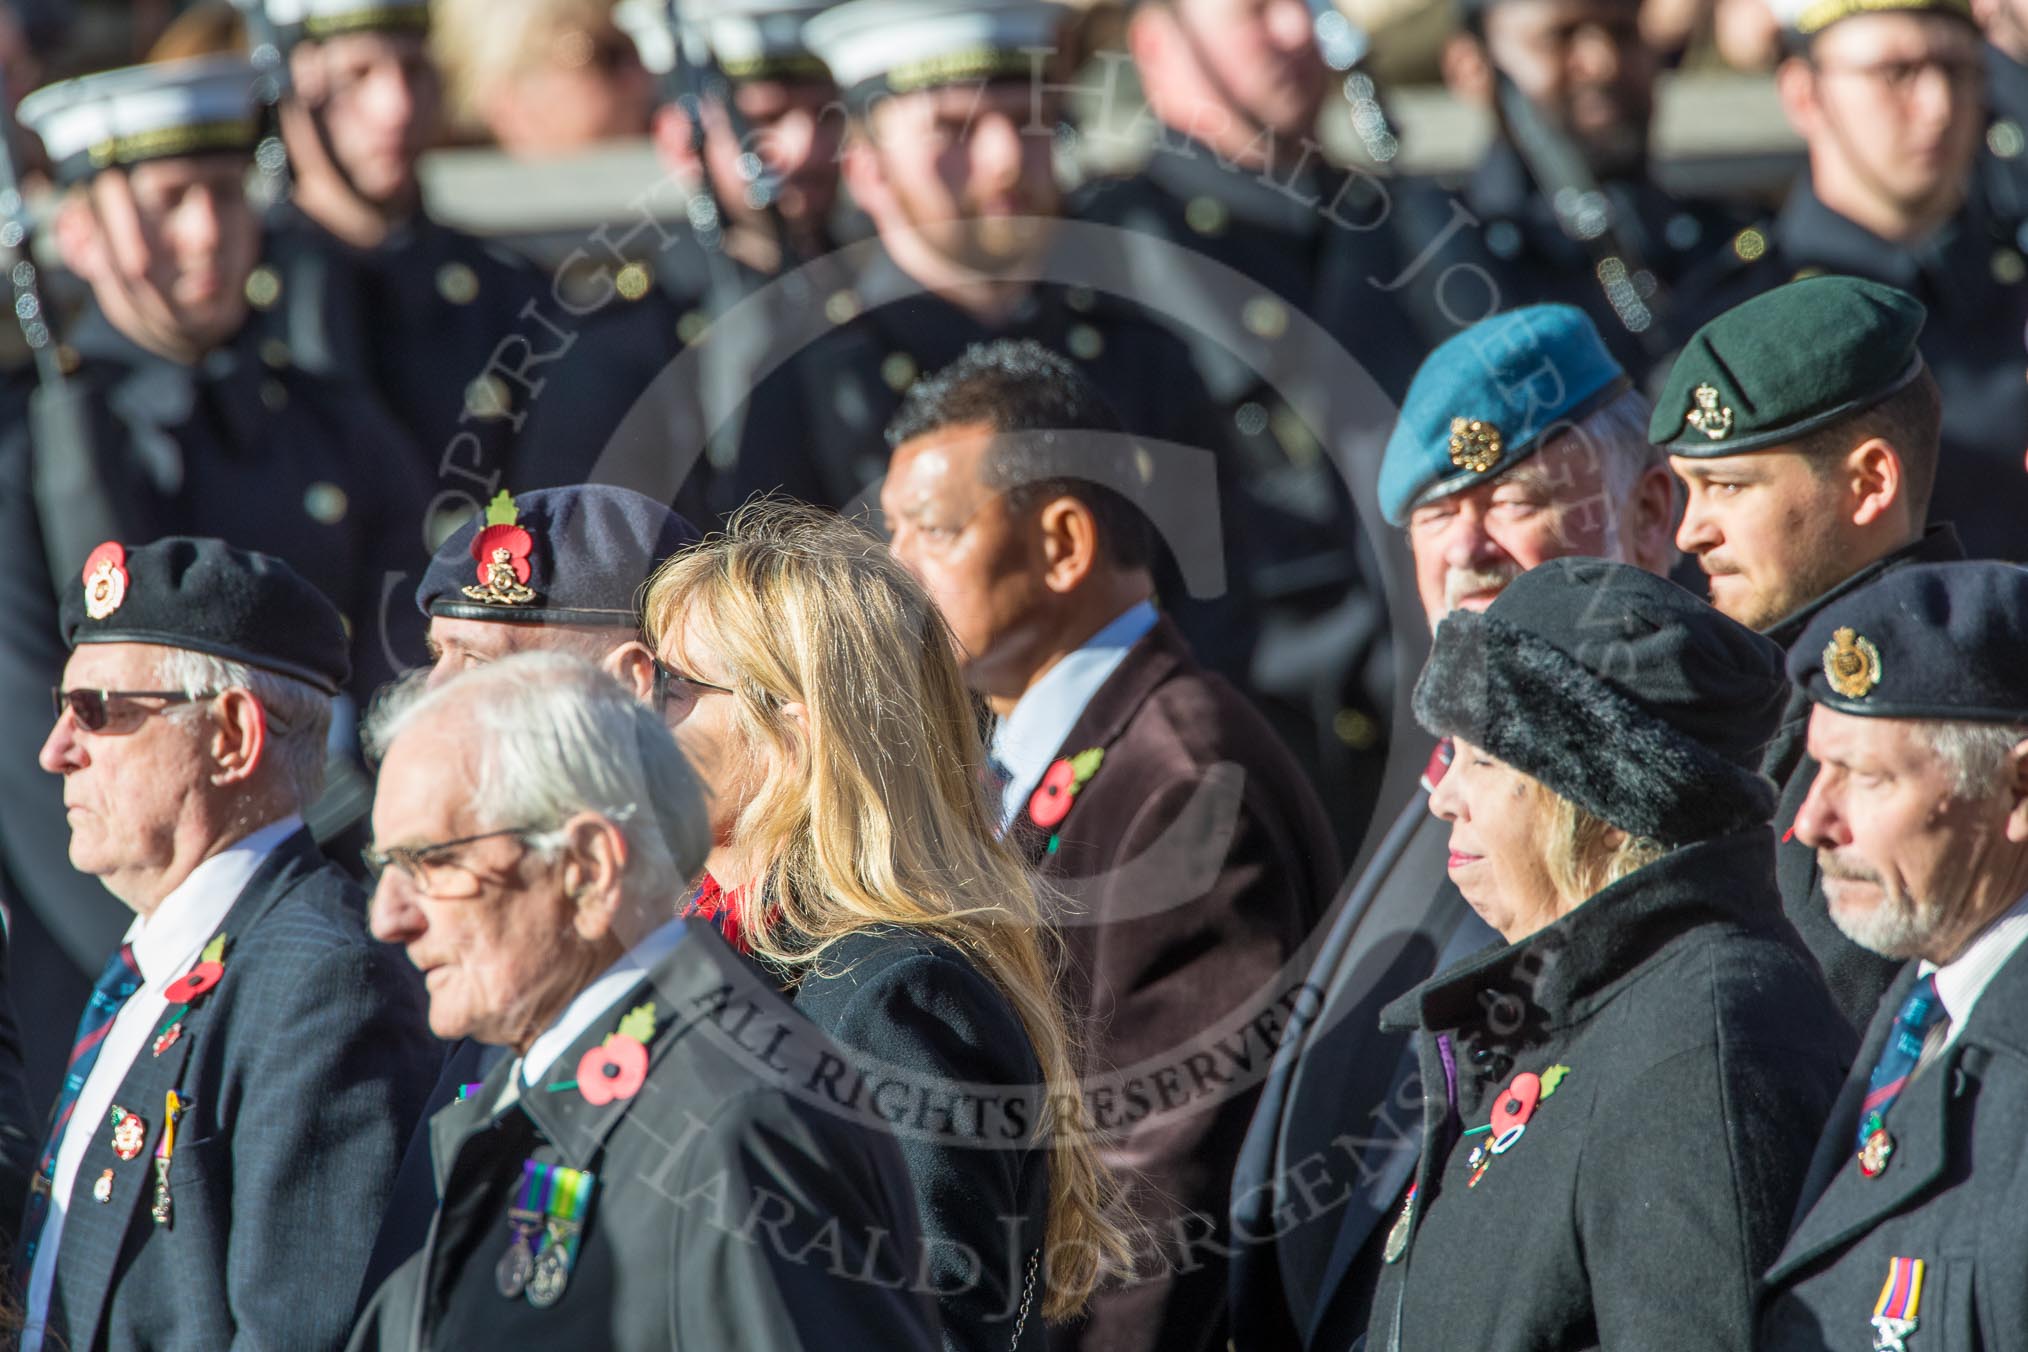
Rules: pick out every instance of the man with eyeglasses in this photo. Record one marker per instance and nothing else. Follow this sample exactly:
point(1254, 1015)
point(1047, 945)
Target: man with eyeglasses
point(250, 1062)
point(1889, 96)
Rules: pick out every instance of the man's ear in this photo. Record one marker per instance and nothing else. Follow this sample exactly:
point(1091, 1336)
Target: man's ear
point(861, 171)
point(1879, 487)
point(1467, 70)
point(593, 859)
point(239, 737)
point(1649, 521)
point(1070, 543)
point(633, 666)
point(1796, 88)
point(78, 237)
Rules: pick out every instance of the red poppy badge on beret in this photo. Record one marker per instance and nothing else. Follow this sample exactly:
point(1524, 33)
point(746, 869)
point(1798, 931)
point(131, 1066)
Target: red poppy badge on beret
point(501, 550)
point(105, 579)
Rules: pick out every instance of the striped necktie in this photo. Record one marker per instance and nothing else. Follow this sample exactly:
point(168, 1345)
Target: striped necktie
point(115, 985)
point(1921, 1012)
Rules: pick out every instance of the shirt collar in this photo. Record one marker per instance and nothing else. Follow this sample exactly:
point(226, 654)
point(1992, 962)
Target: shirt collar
point(166, 941)
point(1028, 738)
point(596, 999)
point(1961, 981)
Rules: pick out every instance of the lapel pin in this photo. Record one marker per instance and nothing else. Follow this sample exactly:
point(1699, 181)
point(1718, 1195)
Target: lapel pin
point(102, 1191)
point(130, 1133)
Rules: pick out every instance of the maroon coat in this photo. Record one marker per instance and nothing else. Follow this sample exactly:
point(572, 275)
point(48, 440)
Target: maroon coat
point(1193, 862)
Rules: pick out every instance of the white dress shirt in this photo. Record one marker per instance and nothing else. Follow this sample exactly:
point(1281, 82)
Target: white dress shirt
point(593, 1001)
point(1028, 738)
point(166, 946)
point(1960, 982)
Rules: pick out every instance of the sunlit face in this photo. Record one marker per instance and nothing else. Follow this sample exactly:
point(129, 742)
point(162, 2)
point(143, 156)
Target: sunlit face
point(707, 725)
point(979, 559)
point(378, 99)
point(495, 954)
point(169, 246)
point(1907, 865)
point(1764, 526)
point(1261, 55)
point(795, 126)
point(576, 87)
point(970, 169)
point(1470, 545)
point(1584, 65)
point(1499, 820)
point(1896, 102)
point(128, 788)
point(459, 645)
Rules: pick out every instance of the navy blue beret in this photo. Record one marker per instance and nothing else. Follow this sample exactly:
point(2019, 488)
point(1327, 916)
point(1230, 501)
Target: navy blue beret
point(575, 555)
point(1932, 640)
point(1488, 397)
point(208, 597)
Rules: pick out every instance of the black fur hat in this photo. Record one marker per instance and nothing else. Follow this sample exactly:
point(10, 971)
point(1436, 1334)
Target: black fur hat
point(1620, 691)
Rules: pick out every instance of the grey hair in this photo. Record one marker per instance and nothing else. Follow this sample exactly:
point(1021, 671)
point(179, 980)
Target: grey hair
point(1615, 436)
point(554, 736)
point(1975, 753)
point(299, 714)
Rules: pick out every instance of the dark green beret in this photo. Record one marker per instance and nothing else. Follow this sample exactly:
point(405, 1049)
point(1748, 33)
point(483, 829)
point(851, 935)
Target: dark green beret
point(1933, 640)
point(1787, 362)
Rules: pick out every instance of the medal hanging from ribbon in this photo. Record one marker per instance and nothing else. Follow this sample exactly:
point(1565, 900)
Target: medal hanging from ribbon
point(1894, 1314)
point(524, 1228)
point(563, 1225)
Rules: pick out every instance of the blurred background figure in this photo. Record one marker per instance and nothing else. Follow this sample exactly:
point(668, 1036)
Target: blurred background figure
point(540, 77)
point(1889, 98)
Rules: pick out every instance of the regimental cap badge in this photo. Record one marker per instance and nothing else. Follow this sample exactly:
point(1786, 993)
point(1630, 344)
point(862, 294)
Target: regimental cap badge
point(105, 580)
point(1475, 444)
point(1851, 664)
point(501, 550)
point(1706, 415)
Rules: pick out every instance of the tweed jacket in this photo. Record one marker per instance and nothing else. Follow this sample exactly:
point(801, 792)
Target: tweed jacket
point(1192, 863)
point(1953, 1194)
point(304, 1069)
point(1688, 1054)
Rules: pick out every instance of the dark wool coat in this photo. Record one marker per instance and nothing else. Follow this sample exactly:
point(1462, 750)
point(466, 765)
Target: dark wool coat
point(935, 1040)
point(1645, 1192)
point(733, 1210)
point(306, 1066)
point(1194, 861)
point(1954, 1194)
point(1855, 976)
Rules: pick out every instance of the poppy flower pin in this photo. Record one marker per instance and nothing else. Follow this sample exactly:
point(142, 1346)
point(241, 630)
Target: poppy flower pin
point(501, 550)
point(1061, 782)
point(617, 1067)
point(188, 988)
point(105, 580)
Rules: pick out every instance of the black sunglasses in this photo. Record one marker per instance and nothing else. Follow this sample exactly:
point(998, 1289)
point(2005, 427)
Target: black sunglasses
point(88, 707)
point(667, 676)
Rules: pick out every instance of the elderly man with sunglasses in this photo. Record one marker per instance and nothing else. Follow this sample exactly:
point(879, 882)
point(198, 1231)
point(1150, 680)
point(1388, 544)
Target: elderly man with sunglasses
point(250, 1062)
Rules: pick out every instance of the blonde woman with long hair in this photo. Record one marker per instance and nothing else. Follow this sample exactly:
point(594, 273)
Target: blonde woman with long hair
point(816, 690)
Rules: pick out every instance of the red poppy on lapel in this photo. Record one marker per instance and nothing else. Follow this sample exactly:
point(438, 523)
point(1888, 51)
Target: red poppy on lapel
point(1050, 803)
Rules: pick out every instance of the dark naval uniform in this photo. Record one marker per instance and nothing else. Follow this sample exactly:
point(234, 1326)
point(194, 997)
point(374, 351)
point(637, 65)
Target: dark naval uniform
point(729, 1211)
point(1197, 860)
point(427, 320)
point(1311, 238)
point(1686, 1056)
point(1857, 978)
point(1520, 245)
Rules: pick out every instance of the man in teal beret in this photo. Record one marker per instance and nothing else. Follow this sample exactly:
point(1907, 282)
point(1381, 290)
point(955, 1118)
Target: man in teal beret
point(1808, 428)
point(1520, 441)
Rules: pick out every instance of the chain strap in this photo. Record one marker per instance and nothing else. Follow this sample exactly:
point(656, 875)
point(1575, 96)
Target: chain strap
point(1027, 1296)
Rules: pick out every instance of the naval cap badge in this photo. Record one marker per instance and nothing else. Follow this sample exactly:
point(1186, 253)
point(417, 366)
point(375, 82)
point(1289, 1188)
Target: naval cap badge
point(105, 579)
point(1851, 664)
point(1707, 416)
point(1475, 444)
point(501, 550)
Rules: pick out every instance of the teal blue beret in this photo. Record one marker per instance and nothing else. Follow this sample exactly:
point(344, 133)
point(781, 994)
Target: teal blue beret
point(1487, 398)
point(1789, 361)
point(1933, 640)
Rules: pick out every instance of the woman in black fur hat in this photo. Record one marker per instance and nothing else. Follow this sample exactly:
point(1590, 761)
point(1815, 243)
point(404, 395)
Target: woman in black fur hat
point(1621, 1101)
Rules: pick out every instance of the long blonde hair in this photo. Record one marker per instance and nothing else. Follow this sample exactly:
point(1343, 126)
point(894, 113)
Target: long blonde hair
point(873, 810)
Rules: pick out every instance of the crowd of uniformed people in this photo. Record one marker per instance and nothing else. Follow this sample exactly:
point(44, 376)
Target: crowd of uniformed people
point(944, 747)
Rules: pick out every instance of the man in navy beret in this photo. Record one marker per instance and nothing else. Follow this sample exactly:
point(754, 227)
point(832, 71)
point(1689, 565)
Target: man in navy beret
point(1520, 441)
point(250, 1062)
point(1908, 1233)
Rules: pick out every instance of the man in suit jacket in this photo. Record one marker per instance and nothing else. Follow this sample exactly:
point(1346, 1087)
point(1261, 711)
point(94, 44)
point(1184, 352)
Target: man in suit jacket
point(1908, 1231)
point(250, 1063)
point(1192, 855)
point(1560, 465)
point(649, 1170)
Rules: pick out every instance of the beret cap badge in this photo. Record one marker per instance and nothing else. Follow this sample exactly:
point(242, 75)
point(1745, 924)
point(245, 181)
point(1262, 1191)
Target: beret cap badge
point(105, 580)
point(501, 550)
point(1851, 664)
point(1475, 444)
point(1707, 416)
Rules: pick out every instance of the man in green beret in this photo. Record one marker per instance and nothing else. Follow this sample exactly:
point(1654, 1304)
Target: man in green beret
point(1807, 427)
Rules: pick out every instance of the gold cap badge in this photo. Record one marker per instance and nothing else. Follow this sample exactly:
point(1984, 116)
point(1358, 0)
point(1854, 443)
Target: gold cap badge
point(1475, 444)
point(105, 580)
point(1706, 415)
point(501, 550)
point(1851, 664)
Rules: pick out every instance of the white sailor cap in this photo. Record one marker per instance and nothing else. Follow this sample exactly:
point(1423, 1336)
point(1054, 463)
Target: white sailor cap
point(750, 39)
point(311, 20)
point(898, 46)
point(164, 110)
point(1804, 19)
